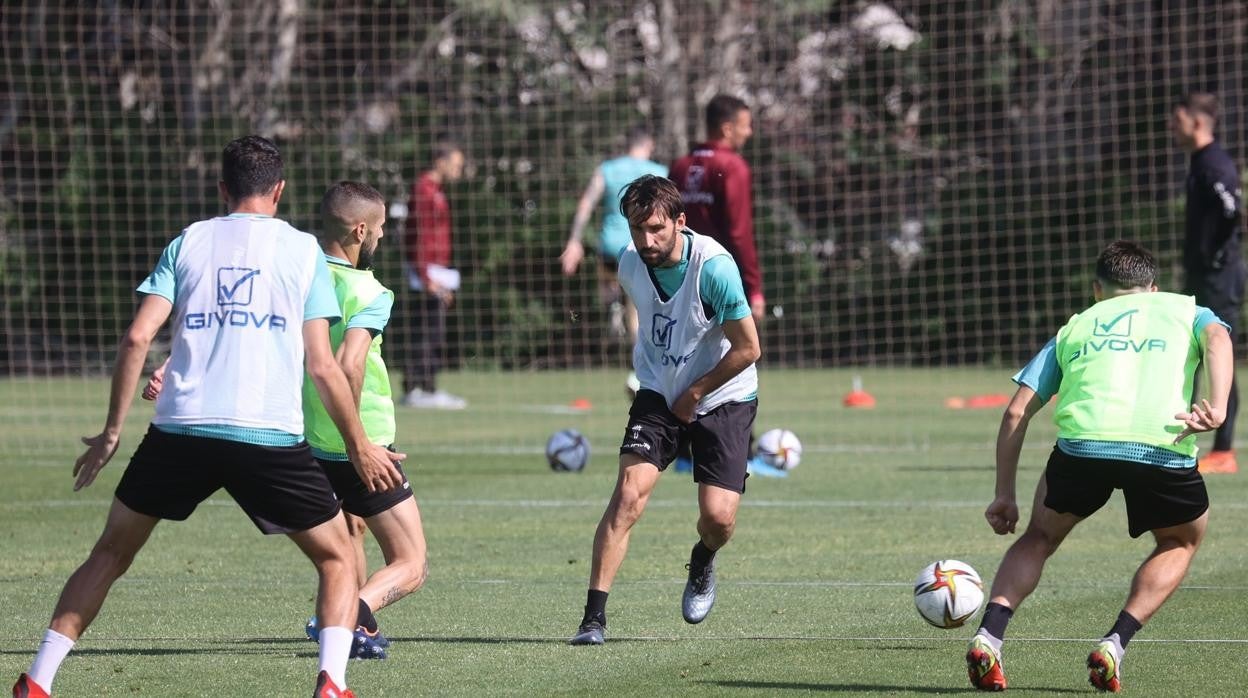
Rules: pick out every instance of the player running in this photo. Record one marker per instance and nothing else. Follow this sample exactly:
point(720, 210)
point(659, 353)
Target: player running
point(605, 187)
point(1122, 371)
point(695, 361)
point(251, 303)
point(352, 218)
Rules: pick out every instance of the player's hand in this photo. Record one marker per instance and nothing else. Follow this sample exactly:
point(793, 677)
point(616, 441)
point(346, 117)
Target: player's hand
point(1002, 515)
point(686, 407)
point(151, 391)
point(100, 449)
point(375, 466)
point(1203, 417)
point(757, 308)
point(571, 258)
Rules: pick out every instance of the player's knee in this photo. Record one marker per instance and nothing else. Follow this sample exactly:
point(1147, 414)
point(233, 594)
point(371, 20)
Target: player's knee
point(114, 558)
point(718, 523)
point(629, 504)
point(1042, 540)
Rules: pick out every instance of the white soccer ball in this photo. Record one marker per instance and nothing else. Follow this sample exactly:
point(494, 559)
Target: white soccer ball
point(567, 451)
point(948, 593)
point(780, 448)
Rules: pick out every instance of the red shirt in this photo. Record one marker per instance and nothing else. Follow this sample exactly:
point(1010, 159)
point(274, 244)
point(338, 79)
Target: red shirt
point(714, 182)
point(428, 237)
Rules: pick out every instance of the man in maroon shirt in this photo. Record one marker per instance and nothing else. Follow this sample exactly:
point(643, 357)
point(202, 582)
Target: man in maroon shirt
point(427, 246)
point(714, 182)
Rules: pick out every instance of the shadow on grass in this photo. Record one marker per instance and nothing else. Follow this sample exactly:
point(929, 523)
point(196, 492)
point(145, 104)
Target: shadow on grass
point(862, 687)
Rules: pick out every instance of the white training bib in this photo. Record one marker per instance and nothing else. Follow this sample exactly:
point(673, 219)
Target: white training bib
point(677, 343)
point(237, 353)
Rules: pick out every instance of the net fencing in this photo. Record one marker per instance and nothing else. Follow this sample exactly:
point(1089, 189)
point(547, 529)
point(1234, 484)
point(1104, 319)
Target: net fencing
point(931, 179)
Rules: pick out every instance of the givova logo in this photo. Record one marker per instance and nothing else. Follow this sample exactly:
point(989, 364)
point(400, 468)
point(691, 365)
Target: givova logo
point(1115, 336)
point(661, 331)
point(235, 287)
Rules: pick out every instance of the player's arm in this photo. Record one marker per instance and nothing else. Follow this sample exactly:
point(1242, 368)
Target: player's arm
point(131, 354)
point(740, 202)
point(1002, 514)
point(574, 250)
point(351, 356)
point(744, 350)
point(374, 463)
point(1219, 362)
point(1039, 380)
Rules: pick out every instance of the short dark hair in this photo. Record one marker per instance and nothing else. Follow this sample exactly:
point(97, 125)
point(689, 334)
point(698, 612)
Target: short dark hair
point(250, 166)
point(720, 110)
point(1205, 103)
point(648, 194)
point(340, 206)
point(1125, 264)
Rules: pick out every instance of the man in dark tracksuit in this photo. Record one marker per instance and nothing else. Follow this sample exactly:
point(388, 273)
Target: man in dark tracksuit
point(1213, 262)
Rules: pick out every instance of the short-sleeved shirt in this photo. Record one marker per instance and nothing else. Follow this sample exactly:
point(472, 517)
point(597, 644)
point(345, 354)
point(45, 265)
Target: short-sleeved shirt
point(321, 303)
point(376, 315)
point(617, 174)
point(1043, 374)
point(719, 284)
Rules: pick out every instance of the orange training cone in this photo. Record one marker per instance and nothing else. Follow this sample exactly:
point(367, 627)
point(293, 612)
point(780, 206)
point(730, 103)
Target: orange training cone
point(858, 397)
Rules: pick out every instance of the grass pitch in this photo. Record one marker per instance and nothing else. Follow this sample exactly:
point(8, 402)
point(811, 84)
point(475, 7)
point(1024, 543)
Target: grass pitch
point(815, 589)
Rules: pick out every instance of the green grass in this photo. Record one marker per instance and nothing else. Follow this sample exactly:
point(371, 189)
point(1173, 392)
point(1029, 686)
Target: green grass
point(814, 593)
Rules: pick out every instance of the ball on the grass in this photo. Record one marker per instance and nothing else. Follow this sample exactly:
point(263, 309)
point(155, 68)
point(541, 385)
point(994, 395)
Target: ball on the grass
point(567, 451)
point(780, 448)
point(948, 593)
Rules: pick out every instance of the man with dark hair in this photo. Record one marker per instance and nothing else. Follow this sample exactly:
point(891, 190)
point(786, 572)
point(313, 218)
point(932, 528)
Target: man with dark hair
point(252, 304)
point(1213, 262)
point(432, 281)
point(714, 181)
point(694, 360)
point(352, 220)
point(1122, 372)
point(352, 217)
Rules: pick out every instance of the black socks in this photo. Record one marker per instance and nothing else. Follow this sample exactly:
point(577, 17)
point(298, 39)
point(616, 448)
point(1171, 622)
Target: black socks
point(701, 556)
point(366, 619)
point(1125, 627)
point(596, 606)
point(996, 617)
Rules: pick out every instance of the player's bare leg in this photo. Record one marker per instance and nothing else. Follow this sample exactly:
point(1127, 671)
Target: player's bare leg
point(124, 534)
point(400, 535)
point(1154, 582)
point(328, 546)
point(1020, 569)
point(717, 518)
point(633, 487)
point(356, 528)
point(1017, 576)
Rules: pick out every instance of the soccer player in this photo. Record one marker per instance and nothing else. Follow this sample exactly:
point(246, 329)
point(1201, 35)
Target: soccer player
point(352, 216)
point(428, 246)
point(1122, 371)
point(605, 186)
point(714, 181)
point(251, 303)
point(352, 220)
point(695, 360)
point(1213, 262)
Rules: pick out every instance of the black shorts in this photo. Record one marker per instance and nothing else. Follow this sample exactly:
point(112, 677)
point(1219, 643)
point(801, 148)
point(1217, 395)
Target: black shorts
point(281, 488)
point(720, 439)
point(354, 495)
point(1156, 497)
